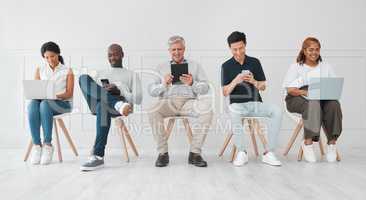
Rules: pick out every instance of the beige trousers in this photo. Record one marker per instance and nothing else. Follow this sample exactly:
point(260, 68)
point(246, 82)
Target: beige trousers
point(198, 111)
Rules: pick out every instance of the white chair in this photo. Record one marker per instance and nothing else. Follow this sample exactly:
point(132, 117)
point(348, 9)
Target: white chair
point(57, 120)
point(125, 135)
point(254, 128)
point(300, 124)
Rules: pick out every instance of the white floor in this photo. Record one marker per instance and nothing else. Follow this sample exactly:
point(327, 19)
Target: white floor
point(139, 179)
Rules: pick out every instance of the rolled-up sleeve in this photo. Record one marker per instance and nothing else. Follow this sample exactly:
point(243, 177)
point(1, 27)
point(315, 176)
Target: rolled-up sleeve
point(292, 79)
point(133, 94)
point(200, 84)
point(156, 88)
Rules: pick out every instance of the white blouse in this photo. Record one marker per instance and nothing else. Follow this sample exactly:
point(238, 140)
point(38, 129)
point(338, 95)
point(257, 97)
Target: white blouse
point(299, 75)
point(59, 75)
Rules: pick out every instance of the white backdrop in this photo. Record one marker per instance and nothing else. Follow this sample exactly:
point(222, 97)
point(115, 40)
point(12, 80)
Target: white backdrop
point(84, 29)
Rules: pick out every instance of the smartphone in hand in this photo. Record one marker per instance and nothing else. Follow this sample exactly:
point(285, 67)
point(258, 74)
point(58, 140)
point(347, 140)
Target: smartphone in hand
point(104, 82)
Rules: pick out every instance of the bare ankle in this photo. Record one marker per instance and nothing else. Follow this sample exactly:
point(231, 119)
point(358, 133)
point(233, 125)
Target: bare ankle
point(48, 144)
point(308, 141)
point(333, 142)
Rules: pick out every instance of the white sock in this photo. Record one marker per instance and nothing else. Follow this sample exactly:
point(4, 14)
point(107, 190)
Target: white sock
point(120, 105)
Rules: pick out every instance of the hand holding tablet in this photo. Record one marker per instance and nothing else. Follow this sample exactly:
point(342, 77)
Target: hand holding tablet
point(180, 73)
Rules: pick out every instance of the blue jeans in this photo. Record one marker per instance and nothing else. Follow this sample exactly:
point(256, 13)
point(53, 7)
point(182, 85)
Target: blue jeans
point(101, 104)
point(41, 112)
point(255, 109)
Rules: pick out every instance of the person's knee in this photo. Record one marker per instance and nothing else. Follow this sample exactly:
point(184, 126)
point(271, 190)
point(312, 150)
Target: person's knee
point(45, 106)
point(334, 105)
point(33, 106)
point(235, 116)
point(275, 110)
point(153, 111)
point(204, 106)
point(314, 105)
point(83, 79)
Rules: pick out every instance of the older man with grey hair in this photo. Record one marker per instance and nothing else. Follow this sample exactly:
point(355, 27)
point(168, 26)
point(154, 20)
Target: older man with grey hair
point(180, 98)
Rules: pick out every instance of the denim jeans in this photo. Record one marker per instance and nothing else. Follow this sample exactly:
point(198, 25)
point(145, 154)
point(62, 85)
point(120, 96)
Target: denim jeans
point(101, 103)
point(41, 112)
point(273, 116)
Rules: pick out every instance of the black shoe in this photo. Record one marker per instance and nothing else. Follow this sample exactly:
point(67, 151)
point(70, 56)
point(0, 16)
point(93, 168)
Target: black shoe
point(196, 160)
point(163, 160)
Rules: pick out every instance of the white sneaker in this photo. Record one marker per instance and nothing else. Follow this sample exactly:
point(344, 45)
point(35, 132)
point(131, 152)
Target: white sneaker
point(240, 159)
point(47, 153)
point(331, 153)
point(123, 108)
point(308, 151)
point(271, 159)
point(36, 154)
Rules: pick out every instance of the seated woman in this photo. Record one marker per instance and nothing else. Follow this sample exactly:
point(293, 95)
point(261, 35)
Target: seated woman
point(315, 113)
point(41, 111)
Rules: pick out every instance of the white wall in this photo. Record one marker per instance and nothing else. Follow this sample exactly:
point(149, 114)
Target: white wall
point(84, 29)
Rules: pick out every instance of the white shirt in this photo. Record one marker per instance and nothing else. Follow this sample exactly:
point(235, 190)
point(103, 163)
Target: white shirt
point(59, 75)
point(299, 75)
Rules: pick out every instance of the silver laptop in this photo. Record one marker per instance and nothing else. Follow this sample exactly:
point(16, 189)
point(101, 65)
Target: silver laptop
point(39, 89)
point(325, 88)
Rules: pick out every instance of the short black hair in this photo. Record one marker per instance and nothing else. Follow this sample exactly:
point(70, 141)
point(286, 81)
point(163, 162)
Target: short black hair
point(53, 47)
point(236, 36)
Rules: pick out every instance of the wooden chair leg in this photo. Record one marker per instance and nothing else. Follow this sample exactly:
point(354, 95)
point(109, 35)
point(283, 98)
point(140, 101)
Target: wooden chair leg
point(233, 153)
point(58, 146)
point(293, 137)
point(29, 149)
point(188, 129)
point(252, 136)
point(226, 142)
point(129, 138)
point(127, 158)
point(300, 155)
point(169, 128)
point(338, 156)
point(321, 147)
point(262, 137)
point(67, 135)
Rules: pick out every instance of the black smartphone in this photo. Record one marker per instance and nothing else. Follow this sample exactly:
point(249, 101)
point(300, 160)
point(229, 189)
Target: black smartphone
point(104, 82)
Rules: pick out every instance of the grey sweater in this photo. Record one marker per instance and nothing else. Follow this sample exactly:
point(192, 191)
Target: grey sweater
point(126, 81)
point(199, 87)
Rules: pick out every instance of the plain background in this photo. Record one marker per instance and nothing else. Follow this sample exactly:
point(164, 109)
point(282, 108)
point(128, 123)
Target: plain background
point(84, 29)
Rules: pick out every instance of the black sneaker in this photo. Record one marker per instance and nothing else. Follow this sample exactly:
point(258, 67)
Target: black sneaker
point(163, 160)
point(94, 163)
point(196, 160)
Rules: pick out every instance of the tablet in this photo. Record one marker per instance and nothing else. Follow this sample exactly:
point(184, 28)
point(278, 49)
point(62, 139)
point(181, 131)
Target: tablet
point(178, 70)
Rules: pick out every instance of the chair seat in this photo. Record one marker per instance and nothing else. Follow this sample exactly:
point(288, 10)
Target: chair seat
point(74, 111)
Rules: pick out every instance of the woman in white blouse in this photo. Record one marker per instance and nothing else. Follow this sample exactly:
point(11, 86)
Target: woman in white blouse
point(41, 111)
point(315, 113)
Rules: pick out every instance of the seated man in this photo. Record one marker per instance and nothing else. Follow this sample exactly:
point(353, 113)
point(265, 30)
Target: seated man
point(242, 78)
point(180, 99)
point(110, 94)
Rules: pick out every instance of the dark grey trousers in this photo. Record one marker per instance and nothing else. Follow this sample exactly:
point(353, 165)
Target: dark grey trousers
point(317, 113)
